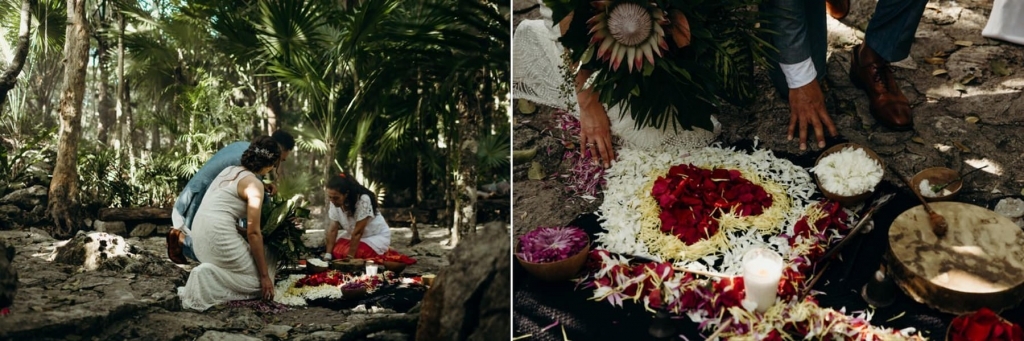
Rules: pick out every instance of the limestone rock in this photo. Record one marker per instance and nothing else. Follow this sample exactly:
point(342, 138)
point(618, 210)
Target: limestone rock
point(112, 227)
point(143, 230)
point(1010, 207)
point(90, 250)
point(276, 331)
point(8, 275)
point(320, 336)
point(469, 300)
point(162, 230)
point(26, 198)
point(214, 335)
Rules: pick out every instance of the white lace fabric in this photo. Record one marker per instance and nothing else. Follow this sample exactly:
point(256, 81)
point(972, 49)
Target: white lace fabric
point(536, 77)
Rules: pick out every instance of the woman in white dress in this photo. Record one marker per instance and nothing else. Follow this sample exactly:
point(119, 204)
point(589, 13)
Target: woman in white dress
point(363, 232)
point(234, 264)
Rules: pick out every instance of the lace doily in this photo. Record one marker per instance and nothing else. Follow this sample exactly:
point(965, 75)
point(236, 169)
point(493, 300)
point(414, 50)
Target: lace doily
point(363, 208)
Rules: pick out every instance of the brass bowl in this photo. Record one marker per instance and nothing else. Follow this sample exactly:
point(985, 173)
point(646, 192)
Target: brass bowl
point(562, 270)
point(847, 200)
point(938, 176)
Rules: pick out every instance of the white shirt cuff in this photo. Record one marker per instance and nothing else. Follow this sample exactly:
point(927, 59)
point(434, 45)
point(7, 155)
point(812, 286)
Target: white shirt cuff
point(799, 74)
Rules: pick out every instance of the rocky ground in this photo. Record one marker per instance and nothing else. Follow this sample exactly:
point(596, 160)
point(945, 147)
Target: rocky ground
point(137, 300)
point(965, 91)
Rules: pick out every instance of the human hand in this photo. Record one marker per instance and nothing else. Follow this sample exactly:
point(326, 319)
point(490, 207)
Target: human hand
point(271, 188)
point(266, 289)
point(327, 256)
point(807, 106)
point(595, 131)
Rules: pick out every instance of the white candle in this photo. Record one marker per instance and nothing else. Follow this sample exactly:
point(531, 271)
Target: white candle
point(762, 270)
point(371, 269)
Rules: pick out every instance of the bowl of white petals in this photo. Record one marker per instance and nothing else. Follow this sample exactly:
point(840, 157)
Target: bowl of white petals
point(848, 173)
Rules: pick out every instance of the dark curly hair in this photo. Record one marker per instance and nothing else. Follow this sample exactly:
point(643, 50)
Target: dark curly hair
point(264, 151)
point(345, 184)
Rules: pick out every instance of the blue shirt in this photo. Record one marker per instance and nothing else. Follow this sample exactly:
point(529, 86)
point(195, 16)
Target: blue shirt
point(190, 198)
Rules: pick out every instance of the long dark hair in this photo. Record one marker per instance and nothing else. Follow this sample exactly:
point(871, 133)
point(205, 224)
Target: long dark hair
point(352, 190)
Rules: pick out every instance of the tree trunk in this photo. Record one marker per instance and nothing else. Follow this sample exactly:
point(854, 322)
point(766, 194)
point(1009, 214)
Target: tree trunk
point(273, 104)
point(10, 76)
point(63, 203)
point(155, 145)
point(465, 178)
point(119, 106)
point(107, 116)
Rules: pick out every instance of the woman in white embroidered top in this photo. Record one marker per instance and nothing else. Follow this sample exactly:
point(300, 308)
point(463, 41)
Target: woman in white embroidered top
point(363, 232)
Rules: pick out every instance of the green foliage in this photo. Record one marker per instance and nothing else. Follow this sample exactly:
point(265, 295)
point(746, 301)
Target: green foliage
point(685, 86)
point(19, 163)
point(107, 180)
point(280, 233)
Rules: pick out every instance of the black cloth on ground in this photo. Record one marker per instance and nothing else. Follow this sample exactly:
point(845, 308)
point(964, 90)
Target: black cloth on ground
point(538, 304)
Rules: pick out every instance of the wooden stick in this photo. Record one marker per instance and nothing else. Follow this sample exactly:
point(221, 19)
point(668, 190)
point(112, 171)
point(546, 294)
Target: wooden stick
point(938, 222)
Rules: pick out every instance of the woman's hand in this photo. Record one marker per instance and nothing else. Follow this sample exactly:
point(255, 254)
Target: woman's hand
point(595, 127)
point(266, 288)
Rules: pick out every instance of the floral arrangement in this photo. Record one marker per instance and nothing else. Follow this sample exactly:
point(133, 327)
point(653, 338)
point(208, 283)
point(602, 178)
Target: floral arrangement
point(551, 244)
point(296, 290)
point(692, 199)
point(758, 201)
point(633, 216)
point(586, 177)
point(983, 324)
point(667, 62)
point(848, 172)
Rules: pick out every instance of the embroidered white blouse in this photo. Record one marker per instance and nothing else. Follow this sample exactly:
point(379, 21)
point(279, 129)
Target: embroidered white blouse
point(377, 234)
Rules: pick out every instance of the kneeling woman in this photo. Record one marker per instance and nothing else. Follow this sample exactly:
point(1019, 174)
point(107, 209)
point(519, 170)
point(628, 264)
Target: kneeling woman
point(364, 233)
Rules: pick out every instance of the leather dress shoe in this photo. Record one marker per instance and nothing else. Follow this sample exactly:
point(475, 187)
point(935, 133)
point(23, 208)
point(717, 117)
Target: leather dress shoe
point(871, 73)
point(837, 9)
point(174, 249)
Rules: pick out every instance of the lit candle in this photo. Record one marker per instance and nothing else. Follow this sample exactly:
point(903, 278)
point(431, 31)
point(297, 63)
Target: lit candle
point(371, 269)
point(762, 270)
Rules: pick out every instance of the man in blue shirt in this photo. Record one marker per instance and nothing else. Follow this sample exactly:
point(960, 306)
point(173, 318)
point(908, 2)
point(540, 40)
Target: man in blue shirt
point(179, 244)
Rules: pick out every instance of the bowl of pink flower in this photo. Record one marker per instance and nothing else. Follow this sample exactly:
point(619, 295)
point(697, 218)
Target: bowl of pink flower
point(553, 253)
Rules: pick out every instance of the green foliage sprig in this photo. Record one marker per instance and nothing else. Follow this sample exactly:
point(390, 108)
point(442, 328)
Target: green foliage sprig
point(685, 85)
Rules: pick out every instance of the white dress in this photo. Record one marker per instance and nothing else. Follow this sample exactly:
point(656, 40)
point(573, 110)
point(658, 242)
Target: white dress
point(536, 77)
point(1006, 22)
point(377, 234)
point(228, 271)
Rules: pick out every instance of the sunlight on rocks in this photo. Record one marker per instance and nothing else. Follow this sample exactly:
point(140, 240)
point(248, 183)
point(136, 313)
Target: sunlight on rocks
point(993, 168)
point(943, 148)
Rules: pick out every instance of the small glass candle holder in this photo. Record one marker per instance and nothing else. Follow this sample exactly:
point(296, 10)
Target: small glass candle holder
point(762, 270)
point(371, 268)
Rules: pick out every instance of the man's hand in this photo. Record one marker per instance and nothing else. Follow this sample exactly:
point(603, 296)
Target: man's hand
point(807, 106)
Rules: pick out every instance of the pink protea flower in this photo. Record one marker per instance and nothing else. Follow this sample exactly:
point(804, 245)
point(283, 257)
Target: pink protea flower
point(551, 244)
point(627, 31)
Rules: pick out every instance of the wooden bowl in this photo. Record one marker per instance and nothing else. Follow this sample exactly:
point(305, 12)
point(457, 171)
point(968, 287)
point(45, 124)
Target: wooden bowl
point(562, 270)
point(348, 265)
point(353, 294)
point(313, 269)
point(938, 176)
point(847, 200)
point(396, 267)
point(428, 279)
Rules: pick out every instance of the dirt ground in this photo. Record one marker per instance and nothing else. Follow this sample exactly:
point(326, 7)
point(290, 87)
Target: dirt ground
point(63, 302)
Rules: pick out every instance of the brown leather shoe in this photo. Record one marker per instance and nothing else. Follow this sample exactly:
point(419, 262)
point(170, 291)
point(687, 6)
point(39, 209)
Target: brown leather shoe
point(174, 251)
point(871, 73)
point(837, 9)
